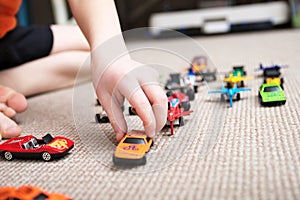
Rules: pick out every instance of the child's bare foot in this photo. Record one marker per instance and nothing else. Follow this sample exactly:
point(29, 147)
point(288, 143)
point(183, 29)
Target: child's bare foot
point(11, 102)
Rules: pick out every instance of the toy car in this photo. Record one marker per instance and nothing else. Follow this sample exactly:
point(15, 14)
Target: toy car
point(132, 148)
point(29, 147)
point(175, 110)
point(200, 68)
point(176, 83)
point(183, 99)
point(29, 193)
point(273, 76)
point(238, 71)
point(101, 117)
point(271, 94)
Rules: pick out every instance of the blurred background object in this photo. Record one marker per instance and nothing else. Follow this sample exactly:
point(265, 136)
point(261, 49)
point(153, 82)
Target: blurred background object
point(189, 16)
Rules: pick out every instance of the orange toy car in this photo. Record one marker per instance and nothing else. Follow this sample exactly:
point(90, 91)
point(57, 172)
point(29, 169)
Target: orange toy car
point(29, 193)
point(132, 149)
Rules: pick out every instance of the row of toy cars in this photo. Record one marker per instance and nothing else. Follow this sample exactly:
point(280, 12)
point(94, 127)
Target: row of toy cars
point(132, 149)
point(271, 91)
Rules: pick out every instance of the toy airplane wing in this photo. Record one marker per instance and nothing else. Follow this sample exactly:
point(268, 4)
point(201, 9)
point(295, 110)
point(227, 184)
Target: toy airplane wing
point(183, 114)
point(242, 89)
point(247, 78)
point(276, 67)
point(236, 79)
point(261, 67)
point(217, 92)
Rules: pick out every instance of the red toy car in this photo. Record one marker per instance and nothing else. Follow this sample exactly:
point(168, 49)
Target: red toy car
point(175, 110)
point(29, 147)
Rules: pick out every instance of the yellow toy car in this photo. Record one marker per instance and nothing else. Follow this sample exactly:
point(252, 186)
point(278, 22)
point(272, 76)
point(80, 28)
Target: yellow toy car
point(132, 148)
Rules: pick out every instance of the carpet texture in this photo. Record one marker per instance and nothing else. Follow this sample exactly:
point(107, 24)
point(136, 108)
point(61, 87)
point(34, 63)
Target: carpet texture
point(244, 152)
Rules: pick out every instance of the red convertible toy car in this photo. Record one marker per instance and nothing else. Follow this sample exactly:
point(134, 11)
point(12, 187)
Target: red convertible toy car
point(30, 147)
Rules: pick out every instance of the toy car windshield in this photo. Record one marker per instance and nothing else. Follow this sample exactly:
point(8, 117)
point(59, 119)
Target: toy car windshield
point(174, 102)
point(271, 89)
point(31, 144)
point(134, 141)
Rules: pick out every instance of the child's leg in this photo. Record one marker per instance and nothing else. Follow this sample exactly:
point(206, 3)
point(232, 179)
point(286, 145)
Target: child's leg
point(68, 38)
point(69, 52)
point(47, 74)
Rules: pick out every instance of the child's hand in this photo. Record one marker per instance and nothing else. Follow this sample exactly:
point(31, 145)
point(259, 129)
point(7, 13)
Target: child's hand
point(137, 83)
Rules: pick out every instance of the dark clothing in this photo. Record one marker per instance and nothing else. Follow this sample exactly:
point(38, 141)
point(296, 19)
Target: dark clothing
point(24, 44)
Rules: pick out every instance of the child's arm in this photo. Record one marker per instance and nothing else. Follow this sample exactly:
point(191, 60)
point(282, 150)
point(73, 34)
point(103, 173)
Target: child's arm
point(124, 77)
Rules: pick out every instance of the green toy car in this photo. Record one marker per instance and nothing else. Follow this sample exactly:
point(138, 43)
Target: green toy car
point(271, 94)
point(238, 71)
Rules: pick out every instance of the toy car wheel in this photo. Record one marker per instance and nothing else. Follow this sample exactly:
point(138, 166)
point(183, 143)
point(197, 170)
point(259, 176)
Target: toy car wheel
point(191, 94)
point(186, 106)
point(260, 99)
point(97, 118)
point(214, 78)
point(104, 119)
point(281, 86)
point(181, 121)
point(265, 80)
point(131, 111)
point(228, 85)
point(222, 97)
point(46, 156)
point(8, 155)
point(196, 88)
point(238, 96)
point(242, 84)
point(169, 93)
point(98, 102)
point(143, 161)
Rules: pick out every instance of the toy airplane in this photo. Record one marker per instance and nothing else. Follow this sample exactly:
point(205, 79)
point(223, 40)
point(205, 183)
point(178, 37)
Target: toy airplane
point(232, 80)
point(273, 70)
point(272, 67)
point(176, 113)
point(230, 92)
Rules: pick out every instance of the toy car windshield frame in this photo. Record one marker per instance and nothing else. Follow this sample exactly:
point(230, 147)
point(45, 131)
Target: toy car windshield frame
point(271, 89)
point(134, 141)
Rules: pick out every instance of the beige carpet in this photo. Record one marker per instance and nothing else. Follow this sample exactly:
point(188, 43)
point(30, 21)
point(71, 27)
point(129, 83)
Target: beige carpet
point(243, 152)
